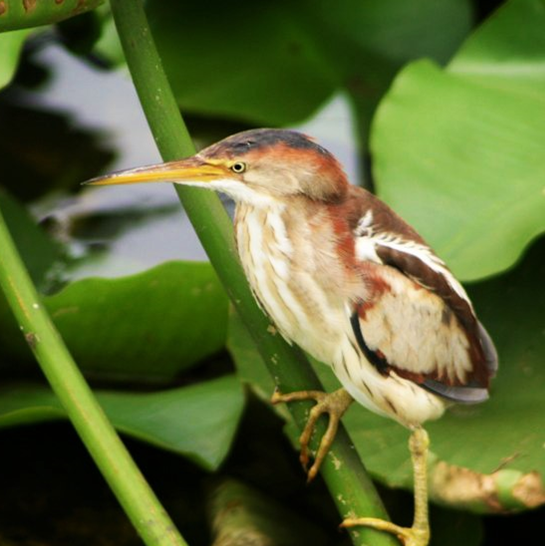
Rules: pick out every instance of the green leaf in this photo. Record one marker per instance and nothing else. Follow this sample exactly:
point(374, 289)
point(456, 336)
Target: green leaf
point(11, 45)
point(458, 152)
point(250, 366)
point(145, 327)
point(148, 326)
point(368, 42)
point(37, 250)
point(108, 45)
point(198, 422)
point(500, 442)
point(257, 63)
point(276, 64)
point(504, 56)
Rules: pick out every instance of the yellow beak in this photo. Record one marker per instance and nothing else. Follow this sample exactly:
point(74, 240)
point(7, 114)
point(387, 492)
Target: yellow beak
point(192, 169)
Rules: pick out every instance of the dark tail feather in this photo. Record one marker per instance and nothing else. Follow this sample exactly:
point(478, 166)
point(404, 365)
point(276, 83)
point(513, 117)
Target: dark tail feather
point(490, 353)
point(471, 393)
point(461, 395)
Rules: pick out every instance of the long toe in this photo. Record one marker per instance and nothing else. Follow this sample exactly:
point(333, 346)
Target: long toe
point(335, 404)
point(408, 536)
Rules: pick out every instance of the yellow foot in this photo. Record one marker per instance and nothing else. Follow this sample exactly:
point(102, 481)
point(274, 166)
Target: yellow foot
point(335, 404)
point(409, 536)
point(419, 533)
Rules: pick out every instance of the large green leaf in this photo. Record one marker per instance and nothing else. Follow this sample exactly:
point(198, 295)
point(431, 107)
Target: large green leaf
point(367, 42)
point(395, 31)
point(499, 442)
point(146, 326)
point(198, 422)
point(256, 63)
point(275, 63)
point(458, 152)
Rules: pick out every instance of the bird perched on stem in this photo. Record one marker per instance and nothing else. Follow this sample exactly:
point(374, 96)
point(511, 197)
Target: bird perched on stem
point(351, 283)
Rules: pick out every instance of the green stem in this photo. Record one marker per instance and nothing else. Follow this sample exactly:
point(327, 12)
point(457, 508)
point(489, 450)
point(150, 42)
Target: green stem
point(17, 14)
point(349, 484)
point(96, 432)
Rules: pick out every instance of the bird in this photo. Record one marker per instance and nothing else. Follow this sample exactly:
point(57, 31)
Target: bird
point(340, 274)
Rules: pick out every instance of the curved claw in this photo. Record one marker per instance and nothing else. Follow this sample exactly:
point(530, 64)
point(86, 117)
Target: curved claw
point(327, 438)
point(335, 404)
point(408, 536)
point(419, 533)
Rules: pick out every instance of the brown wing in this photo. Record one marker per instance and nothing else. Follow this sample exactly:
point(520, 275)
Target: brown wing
point(418, 321)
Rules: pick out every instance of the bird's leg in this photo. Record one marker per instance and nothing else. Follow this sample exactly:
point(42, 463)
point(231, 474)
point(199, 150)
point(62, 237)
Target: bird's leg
point(419, 533)
point(335, 404)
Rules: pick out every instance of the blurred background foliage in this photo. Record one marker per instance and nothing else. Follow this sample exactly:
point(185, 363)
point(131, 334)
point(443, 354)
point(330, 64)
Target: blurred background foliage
point(437, 105)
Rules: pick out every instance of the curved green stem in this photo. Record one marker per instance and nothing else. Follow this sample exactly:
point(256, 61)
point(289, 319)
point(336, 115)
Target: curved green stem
point(350, 487)
point(17, 14)
point(98, 435)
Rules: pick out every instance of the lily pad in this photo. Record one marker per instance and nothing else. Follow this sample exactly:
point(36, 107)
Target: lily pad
point(458, 152)
point(258, 63)
point(500, 442)
point(198, 422)
point(368, 42)
point(275, 64)
point(146, 327)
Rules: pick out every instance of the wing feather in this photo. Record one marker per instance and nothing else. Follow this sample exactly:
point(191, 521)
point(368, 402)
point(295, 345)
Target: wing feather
point(418, 321)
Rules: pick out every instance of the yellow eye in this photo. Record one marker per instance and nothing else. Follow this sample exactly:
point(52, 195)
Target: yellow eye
point(238, 167)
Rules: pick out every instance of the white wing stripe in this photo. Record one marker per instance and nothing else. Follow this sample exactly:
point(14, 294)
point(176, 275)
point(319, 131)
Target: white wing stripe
point(366, 250)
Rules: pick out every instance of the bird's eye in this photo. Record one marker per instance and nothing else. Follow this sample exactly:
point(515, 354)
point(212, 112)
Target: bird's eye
point(238, 167)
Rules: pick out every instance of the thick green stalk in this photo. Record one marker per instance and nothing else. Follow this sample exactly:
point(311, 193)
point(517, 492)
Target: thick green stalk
point(101, 440)
point(17, 14)
point(342, 470)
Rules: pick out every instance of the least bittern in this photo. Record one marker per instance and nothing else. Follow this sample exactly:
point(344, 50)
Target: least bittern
point(350, 282)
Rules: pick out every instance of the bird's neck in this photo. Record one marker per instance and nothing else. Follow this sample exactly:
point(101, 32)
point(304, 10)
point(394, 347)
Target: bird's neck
point(286, 254)
point(302, 235)
point(262, 236)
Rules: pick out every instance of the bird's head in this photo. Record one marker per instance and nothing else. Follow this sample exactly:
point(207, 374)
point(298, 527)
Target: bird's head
point(253, 166)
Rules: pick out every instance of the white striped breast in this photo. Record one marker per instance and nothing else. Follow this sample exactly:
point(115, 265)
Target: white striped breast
point(265, 253)
point(288, 293)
